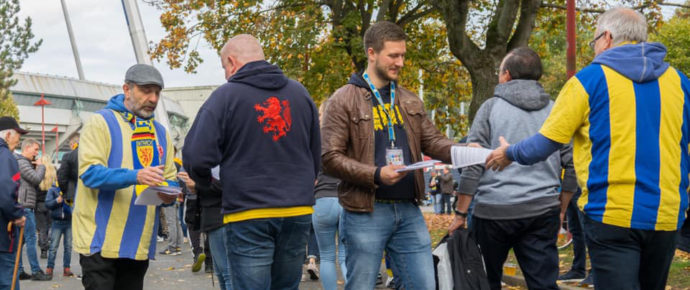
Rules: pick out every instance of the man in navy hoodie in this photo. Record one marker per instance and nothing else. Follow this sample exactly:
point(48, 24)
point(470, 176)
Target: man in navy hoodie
point(263, 130)
point(10, 210)
point(628, 115)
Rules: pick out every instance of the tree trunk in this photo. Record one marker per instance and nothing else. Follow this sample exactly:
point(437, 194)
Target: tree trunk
point(484, 80)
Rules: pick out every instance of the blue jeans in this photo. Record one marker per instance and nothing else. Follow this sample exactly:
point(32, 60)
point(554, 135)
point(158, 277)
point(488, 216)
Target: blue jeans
point(398, 229)
point(30, 242)
point(7, 264)
point(216, 241)
point(180, 217)
point(64, 229)
point(267, 253)
point(326, 221)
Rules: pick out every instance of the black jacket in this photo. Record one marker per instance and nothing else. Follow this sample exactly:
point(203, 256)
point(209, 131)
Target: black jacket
point(68, 174)
point(9, 208)
point(210, 199)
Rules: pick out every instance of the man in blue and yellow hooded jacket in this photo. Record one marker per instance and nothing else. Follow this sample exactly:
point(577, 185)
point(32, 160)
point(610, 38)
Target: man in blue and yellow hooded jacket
point(122, 151)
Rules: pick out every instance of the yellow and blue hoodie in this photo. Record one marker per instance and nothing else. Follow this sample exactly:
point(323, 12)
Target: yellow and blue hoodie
point(114, 145)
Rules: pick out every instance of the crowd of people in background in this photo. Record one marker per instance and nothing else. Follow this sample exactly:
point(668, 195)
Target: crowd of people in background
point(268, 183)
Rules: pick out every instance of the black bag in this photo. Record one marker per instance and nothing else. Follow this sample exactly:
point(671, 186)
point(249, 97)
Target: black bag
point(466, 261)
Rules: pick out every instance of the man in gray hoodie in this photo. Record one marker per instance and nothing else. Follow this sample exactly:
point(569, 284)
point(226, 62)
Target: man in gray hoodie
point(521, 207)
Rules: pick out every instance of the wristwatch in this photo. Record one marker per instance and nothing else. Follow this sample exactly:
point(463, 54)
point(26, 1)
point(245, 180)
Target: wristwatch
point(462, 214)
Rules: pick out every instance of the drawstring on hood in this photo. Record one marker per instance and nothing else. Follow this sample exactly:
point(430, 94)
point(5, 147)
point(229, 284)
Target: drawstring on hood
point(528, 95)
point(640, 62)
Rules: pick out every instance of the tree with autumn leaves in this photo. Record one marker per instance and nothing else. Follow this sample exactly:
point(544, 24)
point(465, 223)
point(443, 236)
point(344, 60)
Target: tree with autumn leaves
point(453, 52)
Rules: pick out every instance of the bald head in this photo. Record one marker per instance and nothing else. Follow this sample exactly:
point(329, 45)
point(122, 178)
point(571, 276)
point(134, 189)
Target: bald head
point(238, 51)
point(244, 47)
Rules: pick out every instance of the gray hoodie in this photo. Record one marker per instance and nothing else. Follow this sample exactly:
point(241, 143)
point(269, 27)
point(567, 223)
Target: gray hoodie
point(517, 111)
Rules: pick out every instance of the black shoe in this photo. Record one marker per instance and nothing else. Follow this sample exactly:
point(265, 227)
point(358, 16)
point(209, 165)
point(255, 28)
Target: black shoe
point(44, 254)
point(379, 279)
point(40, 276)
point(587, 282)
point(24, 276)
point(572, 276)
point(208, 268)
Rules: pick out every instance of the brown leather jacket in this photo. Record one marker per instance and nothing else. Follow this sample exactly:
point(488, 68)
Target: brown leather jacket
point(347, 140)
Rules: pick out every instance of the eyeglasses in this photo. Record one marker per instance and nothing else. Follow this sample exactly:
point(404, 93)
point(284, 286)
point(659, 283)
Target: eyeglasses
point(594, 41)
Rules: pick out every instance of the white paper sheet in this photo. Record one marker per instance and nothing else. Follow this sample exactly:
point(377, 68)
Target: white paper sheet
point(418, 165)
point(215, 172)
point(150, 195)
point(463, 156)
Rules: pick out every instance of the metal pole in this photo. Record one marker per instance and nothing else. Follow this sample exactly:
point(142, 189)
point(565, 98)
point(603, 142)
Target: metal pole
point(571, 38)
point(139, 43)
point(43, 130)
point(77, 60)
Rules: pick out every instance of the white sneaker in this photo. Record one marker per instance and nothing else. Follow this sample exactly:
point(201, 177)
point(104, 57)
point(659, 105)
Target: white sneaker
point(160, 239)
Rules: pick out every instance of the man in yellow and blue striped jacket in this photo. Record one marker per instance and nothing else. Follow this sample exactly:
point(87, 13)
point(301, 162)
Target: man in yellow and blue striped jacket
point(122, 151)
point(628, 114)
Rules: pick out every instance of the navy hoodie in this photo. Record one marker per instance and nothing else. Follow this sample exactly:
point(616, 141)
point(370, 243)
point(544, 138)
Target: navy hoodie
point(263, 130)
point(9, 208)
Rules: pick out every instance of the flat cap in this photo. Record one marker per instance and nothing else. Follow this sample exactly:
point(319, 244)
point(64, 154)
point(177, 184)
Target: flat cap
point(144, 74)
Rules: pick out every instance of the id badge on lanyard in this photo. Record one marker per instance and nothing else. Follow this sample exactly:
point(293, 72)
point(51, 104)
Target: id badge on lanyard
point(394, 155)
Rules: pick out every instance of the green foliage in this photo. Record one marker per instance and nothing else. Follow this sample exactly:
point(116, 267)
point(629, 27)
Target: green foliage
point(8, 107)
point(674, 35)
point(319, 43)
point(15, 46)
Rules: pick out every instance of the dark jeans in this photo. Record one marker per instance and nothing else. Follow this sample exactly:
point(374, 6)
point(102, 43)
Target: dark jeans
point(43, 224)
point(575, 223)
point(7, 264)
point(267, 253)
point(110, 274)
point(312, 245)
point(624, 258)
point(61, 229)
point(533, 241)
point(445, 204)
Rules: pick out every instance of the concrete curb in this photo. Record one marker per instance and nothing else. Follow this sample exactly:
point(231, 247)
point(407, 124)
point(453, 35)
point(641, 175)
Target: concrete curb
point(520, 281)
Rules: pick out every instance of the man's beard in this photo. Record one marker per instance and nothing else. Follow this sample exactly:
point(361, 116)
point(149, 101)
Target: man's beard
point(382, 73)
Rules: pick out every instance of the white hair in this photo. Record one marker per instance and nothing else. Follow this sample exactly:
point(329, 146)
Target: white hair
point(4, 132)
point(624, 24)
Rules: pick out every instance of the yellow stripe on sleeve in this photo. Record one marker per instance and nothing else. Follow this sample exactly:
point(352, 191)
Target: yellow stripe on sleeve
point(567, 114)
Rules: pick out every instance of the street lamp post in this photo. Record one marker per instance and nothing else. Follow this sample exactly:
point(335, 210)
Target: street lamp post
point(43, 102)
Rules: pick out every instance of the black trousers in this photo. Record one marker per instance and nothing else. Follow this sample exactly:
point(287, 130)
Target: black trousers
point(575, 223)
point(112, 274)
point(532, 239)
point(195, 237)
point(624, 258)
point(43, 223)
point(684, 240)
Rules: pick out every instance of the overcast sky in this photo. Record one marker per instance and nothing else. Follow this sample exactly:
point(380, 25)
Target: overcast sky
point(104, 44)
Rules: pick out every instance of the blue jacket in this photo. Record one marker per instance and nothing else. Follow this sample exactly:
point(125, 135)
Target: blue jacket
point(58, 211)
point(263, 130)
point(9, 208)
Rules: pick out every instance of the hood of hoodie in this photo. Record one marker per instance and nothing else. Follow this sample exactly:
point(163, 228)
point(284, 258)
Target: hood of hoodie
point(117, 103)
point(641, 62)
point(357, 80)
point(260, 74)
point(528, 95)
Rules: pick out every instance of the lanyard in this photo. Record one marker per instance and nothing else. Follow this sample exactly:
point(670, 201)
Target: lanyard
point(390, 112)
